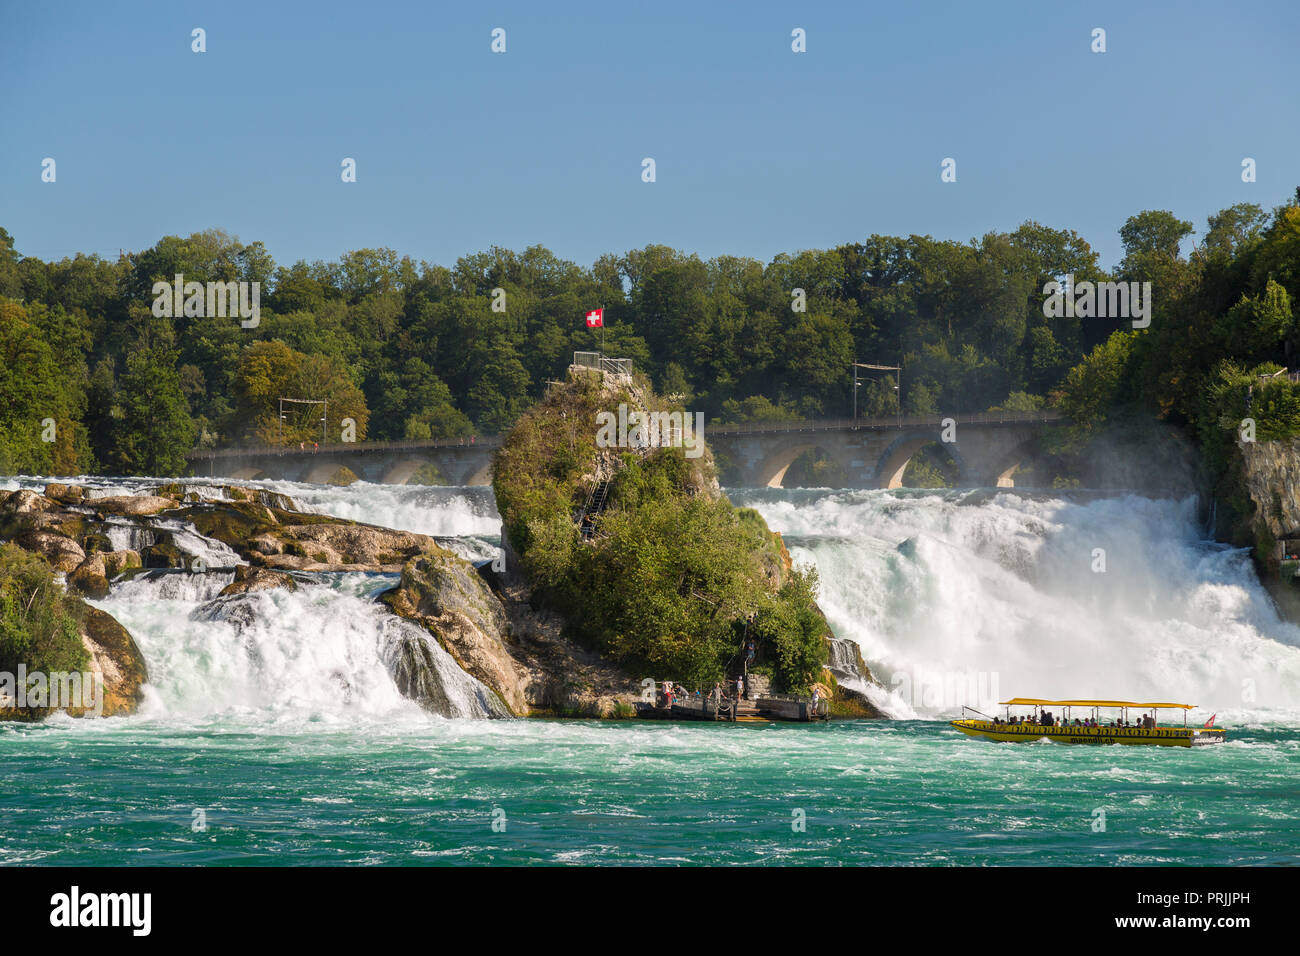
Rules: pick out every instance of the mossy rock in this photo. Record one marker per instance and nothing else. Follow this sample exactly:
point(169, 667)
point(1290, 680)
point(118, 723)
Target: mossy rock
point(120, 562)
point(90, 578)
point(94, 542)
point(163, 554)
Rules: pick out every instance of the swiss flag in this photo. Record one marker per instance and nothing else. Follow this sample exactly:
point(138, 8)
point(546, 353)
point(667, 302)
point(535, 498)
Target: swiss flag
point(596, 319)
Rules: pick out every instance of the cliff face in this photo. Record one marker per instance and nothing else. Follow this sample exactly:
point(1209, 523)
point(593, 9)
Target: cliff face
point(1261, 495)
point(1259, 508)
point(494, 634)
point(1271, 476)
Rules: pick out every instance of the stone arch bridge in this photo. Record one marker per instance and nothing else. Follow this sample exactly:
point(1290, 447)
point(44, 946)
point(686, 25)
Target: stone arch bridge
point(988, 447)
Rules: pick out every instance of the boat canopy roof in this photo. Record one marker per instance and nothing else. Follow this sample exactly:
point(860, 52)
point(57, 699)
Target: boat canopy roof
point(1035, 701)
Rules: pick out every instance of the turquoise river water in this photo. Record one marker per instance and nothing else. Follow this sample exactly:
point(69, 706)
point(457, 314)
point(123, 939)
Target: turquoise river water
point(283, 741)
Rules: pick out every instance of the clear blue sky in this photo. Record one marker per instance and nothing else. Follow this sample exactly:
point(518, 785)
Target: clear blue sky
point(759, 150)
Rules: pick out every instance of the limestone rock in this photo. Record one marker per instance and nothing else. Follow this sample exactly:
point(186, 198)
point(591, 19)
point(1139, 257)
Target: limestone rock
point(23, 501)
point(91, 577)
point(115, 562)
point(60, 551)
point(132, 505)
point(248, 579)
point(443, 593)
point(114, 654)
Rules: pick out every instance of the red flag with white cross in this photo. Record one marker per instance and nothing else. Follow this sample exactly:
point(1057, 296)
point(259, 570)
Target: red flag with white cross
point(596, 319)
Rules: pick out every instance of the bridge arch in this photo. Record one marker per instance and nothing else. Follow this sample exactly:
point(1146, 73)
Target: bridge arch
point(1004, 471)
point(483, 476)
point(250, 473)
point(321, 472)
point(401, 470)
point(893, 462)
point(771, 470)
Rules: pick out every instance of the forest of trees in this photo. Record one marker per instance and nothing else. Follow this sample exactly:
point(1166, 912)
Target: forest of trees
point(92, 381)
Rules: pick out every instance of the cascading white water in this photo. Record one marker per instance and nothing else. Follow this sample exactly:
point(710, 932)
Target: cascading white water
point(427, 509)
point(207, 552)
point(324, 652)
point(957, 603)
point(954, 597)
point(182, 586)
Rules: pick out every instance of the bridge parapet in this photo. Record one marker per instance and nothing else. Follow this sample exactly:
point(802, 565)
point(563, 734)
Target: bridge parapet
point(873, 452)
point(894, 422)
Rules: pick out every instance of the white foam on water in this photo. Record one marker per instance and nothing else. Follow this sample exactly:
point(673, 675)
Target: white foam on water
point(999, 596)
point(995, 593)
point(319, 654)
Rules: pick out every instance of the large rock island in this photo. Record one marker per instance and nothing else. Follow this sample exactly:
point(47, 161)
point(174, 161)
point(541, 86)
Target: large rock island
point(614, 522)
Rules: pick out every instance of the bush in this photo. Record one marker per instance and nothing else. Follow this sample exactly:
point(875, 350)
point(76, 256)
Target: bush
point(673, 570)
point(40, 623)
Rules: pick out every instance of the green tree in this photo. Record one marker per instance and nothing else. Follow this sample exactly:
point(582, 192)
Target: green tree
point(155, 429)
point(39, 622)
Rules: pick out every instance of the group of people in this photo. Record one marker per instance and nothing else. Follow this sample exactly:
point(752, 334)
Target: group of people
point(674, 692)
point(735, 689)
point(1048, 719)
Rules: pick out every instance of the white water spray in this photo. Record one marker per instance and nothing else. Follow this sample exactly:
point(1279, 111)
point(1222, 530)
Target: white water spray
point(1001, 596)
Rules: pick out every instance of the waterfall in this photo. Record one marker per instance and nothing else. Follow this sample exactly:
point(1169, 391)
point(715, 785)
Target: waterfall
point(959, 598)
point(953, 598)
point(324, 652)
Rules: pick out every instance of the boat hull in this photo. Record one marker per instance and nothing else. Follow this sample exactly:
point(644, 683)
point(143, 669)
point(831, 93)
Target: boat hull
point(1137, 736)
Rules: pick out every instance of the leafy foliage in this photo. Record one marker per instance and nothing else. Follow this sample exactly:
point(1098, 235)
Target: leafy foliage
point(39, 622)
point(673, 571)
point(419, 351)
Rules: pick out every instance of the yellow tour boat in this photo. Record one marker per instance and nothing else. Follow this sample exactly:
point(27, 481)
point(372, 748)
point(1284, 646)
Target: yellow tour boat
point(1091, 726)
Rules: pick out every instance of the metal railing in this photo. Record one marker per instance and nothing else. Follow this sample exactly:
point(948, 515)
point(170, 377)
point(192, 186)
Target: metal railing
point(1048, 416)
point(596, 361)
point(896, 422)
point(355, 448)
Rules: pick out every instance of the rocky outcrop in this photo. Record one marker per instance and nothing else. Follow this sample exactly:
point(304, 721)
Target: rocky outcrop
point(498, 638)
point(68, 526)
point(22, 502)
point(589, 479)
point(93, 575)
point(1258, 506)
point(115, 656)
point(343, 544)
point(249, 579)
point(131, 505)
point(848, 673)
point(424, 672)
point(62, 552)
point(1270, 477)
point(443, 593)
